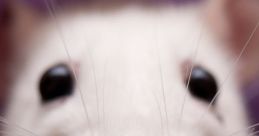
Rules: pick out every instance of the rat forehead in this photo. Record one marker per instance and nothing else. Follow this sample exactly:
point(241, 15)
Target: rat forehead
point(129, 32)
point(129, 27)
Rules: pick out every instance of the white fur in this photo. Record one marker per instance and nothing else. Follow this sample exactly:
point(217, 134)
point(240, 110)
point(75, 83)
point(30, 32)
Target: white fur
point(127, 56)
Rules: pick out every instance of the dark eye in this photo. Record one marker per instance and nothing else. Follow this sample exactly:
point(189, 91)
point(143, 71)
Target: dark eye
point(56, 82)
point(202, 84)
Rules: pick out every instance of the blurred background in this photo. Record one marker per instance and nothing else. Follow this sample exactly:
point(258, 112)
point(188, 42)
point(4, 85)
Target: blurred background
point(250, 90)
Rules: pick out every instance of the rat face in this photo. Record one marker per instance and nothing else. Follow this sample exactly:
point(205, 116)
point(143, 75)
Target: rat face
point(129, 72)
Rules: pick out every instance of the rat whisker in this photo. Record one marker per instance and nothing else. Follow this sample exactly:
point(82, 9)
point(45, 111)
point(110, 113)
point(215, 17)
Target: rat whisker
point(96, 85)
point(51, 11)
point(9, 133)
point(245, 129)
point(254, 133)
point(189, 74)
point(161, 77)
point(4, 122)
point(103, 93)
point(163, 91)
point(232, 68)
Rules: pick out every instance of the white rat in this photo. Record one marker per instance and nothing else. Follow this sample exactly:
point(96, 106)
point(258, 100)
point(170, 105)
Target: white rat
point(130, 70)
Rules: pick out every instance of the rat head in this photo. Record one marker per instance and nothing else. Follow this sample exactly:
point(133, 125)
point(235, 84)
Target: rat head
point(126, 71)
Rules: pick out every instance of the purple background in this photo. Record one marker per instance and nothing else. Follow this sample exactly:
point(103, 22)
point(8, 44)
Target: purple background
point(39, 4)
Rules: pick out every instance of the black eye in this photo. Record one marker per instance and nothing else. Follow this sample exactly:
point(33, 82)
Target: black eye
point(202, 84)
point(56, 82)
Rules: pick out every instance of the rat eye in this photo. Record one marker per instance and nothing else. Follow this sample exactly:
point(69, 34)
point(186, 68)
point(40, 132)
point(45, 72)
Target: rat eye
point(56, 82)
point(202, 84)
